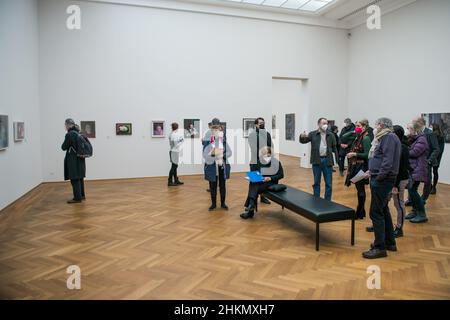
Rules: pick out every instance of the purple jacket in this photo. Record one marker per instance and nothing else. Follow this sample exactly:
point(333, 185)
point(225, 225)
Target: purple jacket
point(418, 152)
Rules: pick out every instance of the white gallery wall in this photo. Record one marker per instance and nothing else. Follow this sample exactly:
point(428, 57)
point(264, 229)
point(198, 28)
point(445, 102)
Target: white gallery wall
point(403, 69)
point(135, 64)
point(20, 164)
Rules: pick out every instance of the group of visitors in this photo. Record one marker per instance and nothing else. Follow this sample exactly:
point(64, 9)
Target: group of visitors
point(386, 158)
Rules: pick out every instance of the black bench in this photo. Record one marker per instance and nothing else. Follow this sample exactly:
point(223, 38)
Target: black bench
point(313, 208)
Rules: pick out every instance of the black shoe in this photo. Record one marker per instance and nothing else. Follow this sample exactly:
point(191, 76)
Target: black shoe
point(213, 206)
point(224, 206)
point(265, 200)
point(374, 254)
point(208, 190)
point(178, 183)
point(247, 215)
point(388, 248)
point(398, 232)
point(369, 229)
point(433, 190)
point(73, 201)
point(171, 184)
point(411, 215)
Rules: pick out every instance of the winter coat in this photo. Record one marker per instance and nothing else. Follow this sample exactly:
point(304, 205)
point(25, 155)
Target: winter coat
point(74, 166)
point(210, 168)
point(418, 152)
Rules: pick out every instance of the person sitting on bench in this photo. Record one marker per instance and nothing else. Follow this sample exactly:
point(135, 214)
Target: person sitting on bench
point(272, 171)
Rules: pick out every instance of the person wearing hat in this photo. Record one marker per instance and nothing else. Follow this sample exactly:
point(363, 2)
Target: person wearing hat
point(74, 166)
point(216, 151)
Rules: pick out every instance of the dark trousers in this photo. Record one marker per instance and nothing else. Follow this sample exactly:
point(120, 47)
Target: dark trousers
point(220, 180)
point(254, 189)
point(78, 189)
point(341, 163)
point(327, 171)
point(380, 214)
point(427, 185)
point(361, 193)
point(173, 176)
point(416, 200)
point(435, 176)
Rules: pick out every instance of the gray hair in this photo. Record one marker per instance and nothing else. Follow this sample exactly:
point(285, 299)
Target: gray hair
point(386, 122)
point(70, 122)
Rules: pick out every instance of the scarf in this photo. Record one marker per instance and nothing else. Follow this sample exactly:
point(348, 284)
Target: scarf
point(376, 140)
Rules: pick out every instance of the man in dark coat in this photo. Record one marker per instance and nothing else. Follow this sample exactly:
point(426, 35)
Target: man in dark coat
point(258, 139)
point(74, 166)
point(344, 148)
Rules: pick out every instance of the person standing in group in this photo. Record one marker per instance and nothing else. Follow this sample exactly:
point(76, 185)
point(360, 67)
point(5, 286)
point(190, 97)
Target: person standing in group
point(258, 139)
point(401, 183)
point(433, 154)
point(175, 141)
point(74, 166)
point(418, 154)
point(335, 130)
point(272, 171)
point(323, 145)
point(384, 161)
point(216, 152)
point(344, 148)
point(441, 143)
point(358, 160)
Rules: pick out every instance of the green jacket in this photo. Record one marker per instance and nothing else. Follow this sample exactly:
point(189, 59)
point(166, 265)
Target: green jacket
point(314, 138)
point(350, 137)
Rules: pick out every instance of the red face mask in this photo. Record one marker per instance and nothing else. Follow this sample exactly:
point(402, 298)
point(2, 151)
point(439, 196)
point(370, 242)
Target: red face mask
point(358, 130)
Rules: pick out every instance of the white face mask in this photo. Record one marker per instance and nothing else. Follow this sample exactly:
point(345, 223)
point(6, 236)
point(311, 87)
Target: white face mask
point(324, 127)
point(220, 134)
point(267, 159)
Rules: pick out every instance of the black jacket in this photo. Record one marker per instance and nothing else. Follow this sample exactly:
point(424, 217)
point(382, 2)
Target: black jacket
point(257, 139)
point(342, 151)
point(314, 138)
point(74, 166)
point(404, 168)
point(433, 145)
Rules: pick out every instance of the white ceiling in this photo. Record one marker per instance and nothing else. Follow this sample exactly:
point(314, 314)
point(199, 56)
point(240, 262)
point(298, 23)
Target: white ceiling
point(342, 14)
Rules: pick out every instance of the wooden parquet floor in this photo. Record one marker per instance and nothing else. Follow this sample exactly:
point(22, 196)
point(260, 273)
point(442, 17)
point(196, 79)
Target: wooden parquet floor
point(138, 239)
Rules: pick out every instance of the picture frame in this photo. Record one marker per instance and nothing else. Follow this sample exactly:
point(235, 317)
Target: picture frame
point(124, 129)
point(19, 131)
point(4, 132)
point(191, 128)
point(88, 129)
point(248, 124)
point(158, 129)
point(290, 127)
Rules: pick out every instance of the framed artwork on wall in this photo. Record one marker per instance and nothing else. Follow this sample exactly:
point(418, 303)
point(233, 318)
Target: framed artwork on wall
point(290, 126)
point(124, 129)
point(158, 129)
point(191, 128)
point(274, 126)
point(248, 124)
point(442, 119)
point(4, 132)
point(88, 128)
point(19, 131)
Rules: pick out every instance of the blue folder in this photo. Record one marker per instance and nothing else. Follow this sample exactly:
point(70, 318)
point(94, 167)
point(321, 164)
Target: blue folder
point(255, 176)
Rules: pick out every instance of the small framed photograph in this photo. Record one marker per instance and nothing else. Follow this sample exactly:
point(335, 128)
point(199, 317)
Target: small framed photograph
point(88, 128)
point(248, 124)
point(19, 131)
point(158, 129)
point(4, 132)
point(124, 129)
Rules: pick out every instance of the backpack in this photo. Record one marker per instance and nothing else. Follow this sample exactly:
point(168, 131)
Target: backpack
point(83, 147)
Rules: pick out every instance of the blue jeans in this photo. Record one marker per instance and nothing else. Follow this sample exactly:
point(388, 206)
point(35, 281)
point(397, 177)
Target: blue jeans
point(380, 214)
point(327, 171)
